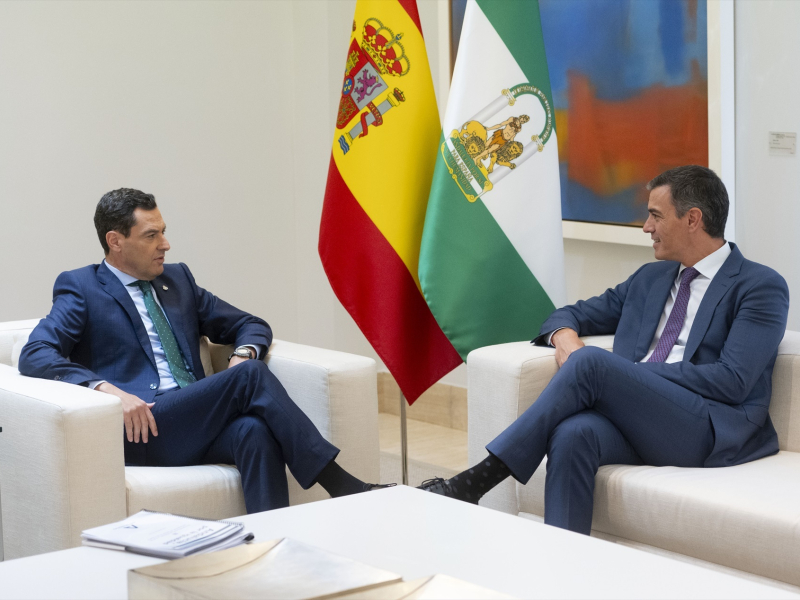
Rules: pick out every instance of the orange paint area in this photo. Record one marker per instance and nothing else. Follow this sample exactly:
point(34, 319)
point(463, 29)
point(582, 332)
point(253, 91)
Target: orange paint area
point(612, 146)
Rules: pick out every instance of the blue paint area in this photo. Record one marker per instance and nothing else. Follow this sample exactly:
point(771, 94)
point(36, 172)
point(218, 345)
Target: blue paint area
point(672, 33)
point(585, 37)
point(622, 46)
point(581, 204)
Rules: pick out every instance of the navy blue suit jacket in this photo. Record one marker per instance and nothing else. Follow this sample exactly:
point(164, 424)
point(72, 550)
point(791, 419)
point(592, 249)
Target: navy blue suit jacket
point(730, 352)
point(94, 331)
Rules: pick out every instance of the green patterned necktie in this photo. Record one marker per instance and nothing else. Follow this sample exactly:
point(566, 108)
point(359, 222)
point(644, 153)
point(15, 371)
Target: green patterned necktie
point(168, 342)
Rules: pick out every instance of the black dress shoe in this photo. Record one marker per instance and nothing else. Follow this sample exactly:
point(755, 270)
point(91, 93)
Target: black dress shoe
point(449, 488)
point(371, 487)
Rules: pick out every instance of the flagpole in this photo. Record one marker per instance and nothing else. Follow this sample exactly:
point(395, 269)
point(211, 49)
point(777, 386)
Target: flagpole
point(403, 440)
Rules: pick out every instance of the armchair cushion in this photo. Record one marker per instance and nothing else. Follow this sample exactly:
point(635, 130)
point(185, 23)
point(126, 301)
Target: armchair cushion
point(743, 517)
point(203, 491)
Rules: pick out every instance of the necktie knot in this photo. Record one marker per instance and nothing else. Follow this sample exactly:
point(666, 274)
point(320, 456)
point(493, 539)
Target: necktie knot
point(142, 285)
point(688, 275)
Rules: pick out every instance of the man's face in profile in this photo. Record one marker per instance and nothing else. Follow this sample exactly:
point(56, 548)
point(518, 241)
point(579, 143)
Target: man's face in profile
point(668, 232)
point(141, 254)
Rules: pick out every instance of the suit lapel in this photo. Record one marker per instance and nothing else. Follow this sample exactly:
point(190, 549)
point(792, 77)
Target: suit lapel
point(113, 287)
point(168, 295)
point(654, 306)
point(716, 290)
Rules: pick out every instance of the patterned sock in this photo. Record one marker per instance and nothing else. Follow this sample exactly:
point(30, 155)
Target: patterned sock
point(472, 484)
point(338, 482)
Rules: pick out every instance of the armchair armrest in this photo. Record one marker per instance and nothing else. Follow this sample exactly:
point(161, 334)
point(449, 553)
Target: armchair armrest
point(338, 392)
point(61, 462)
point(504, 380)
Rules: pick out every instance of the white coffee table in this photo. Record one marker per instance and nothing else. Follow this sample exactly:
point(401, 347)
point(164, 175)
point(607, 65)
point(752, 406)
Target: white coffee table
point(416, 533)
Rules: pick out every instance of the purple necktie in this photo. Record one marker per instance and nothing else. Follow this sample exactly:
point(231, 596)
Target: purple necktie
point(675, 322)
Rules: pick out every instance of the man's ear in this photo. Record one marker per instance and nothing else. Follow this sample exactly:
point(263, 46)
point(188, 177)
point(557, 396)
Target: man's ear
point(112, 239)
point(695, 219)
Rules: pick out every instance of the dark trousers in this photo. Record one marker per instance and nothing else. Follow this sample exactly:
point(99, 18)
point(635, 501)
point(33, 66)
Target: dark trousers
point(602, 409)
point(241, 416)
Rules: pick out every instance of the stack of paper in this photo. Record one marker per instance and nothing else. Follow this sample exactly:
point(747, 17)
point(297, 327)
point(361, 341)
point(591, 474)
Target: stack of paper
point(166, 536)
point(286, 569)
point(290, 570)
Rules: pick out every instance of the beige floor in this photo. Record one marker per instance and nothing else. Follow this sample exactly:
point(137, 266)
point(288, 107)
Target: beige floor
point(434, 451)
point(432, 444)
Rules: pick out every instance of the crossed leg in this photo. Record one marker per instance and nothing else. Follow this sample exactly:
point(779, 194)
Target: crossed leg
point(243, 413)
point(598, 409)
point(248, 443)
point(665, 424)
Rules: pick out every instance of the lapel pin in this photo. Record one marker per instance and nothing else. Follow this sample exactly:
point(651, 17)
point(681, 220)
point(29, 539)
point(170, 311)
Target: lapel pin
point(165, 288)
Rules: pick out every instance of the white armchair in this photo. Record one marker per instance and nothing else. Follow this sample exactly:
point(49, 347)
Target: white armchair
point(744, 517)
point(61, 451)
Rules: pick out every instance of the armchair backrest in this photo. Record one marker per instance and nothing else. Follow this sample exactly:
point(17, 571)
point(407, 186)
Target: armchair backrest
point(784, 407)
point(13, 335)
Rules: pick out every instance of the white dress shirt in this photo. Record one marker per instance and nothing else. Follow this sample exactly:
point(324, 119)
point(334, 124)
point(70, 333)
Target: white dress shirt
point(707, 268)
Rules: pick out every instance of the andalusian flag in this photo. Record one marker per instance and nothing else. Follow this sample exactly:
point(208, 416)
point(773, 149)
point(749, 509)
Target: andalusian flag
point(384, 151)
point(492, 258)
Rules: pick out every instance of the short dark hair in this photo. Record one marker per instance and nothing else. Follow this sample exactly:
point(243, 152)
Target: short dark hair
point(115, 212)
point(694, 186)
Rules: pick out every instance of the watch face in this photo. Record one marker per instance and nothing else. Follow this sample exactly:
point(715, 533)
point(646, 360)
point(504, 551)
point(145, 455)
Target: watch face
point(243, 352)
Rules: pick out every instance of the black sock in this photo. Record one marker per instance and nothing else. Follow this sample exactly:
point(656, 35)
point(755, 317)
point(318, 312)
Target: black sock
point(338, 482)
point(472, 484)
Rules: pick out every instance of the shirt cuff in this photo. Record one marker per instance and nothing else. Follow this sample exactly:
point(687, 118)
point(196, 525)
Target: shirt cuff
point(93, 384)
point(259, 349)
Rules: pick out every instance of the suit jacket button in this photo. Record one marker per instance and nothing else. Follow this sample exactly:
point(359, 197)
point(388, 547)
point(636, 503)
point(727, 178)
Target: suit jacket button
point(57, 378)
point(153, 386)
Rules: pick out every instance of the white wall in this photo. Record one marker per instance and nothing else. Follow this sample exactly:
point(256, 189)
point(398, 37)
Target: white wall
point(185, 100)
point(767, 89)
point(225, 111)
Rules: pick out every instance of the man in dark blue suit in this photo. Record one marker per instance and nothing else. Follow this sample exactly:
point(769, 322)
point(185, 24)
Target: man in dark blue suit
point(131, 327)
point(688, 383)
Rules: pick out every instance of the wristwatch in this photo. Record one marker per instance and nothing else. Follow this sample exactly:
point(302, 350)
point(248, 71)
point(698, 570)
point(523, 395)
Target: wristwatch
point(241, 351)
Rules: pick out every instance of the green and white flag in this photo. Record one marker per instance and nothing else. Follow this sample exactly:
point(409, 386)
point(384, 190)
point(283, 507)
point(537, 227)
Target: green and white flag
point(492, 258)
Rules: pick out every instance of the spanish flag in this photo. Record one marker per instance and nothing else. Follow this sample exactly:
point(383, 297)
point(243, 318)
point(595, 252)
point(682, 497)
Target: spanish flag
point(384, 152)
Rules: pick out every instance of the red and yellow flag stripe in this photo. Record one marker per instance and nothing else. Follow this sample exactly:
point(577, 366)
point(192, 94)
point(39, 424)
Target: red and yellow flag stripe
point(384, 152)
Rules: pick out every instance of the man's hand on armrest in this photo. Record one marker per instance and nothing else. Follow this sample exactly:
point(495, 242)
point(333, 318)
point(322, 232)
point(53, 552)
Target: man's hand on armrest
point(566, 342)
point(135, 411)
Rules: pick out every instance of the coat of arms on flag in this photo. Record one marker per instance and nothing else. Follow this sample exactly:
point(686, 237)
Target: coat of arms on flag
point(375, 59)
point(465, 150)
